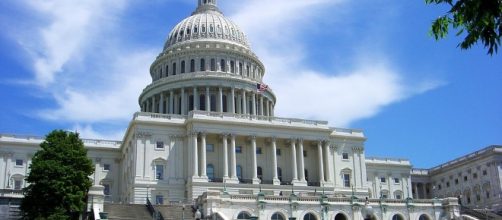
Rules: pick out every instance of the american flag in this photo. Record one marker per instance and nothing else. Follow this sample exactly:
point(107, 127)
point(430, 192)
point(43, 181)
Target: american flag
point(261, 87)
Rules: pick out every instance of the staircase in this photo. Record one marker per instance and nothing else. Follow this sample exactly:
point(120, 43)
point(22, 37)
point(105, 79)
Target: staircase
point(127, 212)
point(175, 212)
point(480, 214)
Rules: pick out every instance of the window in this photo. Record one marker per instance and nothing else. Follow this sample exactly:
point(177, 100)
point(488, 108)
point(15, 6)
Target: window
point(346, 180)
point(304, 153)
point(160, 145)
point(456, 181)
point(213, 103)
point(345, 156)
point(239, 172)
point(279, 173)
point(232, 66)
point(240, 68)
point(306, 175)
point(465, 178)
point(223, 66)
point(396, 180)
point(439, 186)
point(309, 216)
point(487, 195)
point(159, 200)
point(203, 30)
point(397, 217)
point(244, 215)
point(258, 150)
point(238, 149)
point(209, 147)
point(485, 173)
point(213, 65)
point(19, 162)
point(259, 171)
point(468, 200)
point(475, 175)
point(398, 196)
point(174, 69)
point(18, 184)
point(159, 172)
point(106, 167)
point(277, 216)
point(106, 190)
point(202, 65)
point(225, 108)
point(278, 152)
point(383, 179)
point(167, 70)
point(448, 184)
point(478, 197)
point(183, 66)
point(192, 66)
point(210, 172)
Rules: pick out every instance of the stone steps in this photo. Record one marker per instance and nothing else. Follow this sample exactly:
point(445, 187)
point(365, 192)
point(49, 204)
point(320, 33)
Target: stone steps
point(127, 212)
point(175, 212)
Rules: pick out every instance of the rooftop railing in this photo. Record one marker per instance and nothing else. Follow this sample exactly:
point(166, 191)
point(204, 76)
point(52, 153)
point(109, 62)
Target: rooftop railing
point(466, 157)
point(40, 139)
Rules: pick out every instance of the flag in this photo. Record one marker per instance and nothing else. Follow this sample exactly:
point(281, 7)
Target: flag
point(261, 87)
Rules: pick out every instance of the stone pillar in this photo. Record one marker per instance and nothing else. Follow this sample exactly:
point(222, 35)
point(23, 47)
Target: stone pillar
point(208, 100)
point(268, 108)
point(261, 105)
point(254, 164)
point(321, 164)
point(195, 158)
point(244, 102)
point(415, 187)
point(161, 108)
point(195, 99)
point(253, 110)
point(275, 179)
point(232, 101)
point(302, 163)
point(327, 171)
point(220, 100)
point(203, 163)
point(233, 160)
point(225, 156)
point(171, 102)
point(183, 102)
point(294, 167)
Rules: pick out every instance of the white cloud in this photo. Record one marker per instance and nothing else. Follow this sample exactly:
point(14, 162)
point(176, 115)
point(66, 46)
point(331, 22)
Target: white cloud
point(358, 92)
point(88, 132)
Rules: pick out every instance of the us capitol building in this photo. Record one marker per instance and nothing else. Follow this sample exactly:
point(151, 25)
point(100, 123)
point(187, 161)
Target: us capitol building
point(207, 135)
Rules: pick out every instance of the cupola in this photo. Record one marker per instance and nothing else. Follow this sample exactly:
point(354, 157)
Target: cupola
point(206, 6)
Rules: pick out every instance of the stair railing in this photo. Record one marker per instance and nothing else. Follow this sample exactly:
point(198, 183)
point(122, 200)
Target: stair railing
point(155, 214)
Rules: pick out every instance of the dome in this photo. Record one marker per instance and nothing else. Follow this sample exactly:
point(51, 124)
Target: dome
point(206, 23)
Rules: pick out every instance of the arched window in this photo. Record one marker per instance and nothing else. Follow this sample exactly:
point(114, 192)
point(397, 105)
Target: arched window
point(213, 65)
point(210, 172)
point(340, 216)
point(202, 102)
point(167, 70)
point(225, 107)
point(232, 66)
point(203, 28)
point(174, 69)
point(188, 31)
point(195, 29)
point(244, 215)
point(192, 66)
point(239, 172)
point(397, 217)
point(211, 28)
point(202, 65)
point(183, 66)
point(279, 173)
point(277, 216)
point(424, 217)
point(260, 173)
point(213, 103)
point(309, 216)
point(223, 66)
point(160, 72)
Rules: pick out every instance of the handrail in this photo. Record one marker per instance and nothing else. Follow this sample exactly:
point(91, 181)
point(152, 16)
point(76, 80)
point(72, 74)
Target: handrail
point(155, 214)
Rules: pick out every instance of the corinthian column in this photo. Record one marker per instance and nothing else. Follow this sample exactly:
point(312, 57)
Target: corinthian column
point(195, 158)
point(321, 164)
point(254, 163)
point(225, 156)
point(294, 167)
point(203, 172)
point(274, 162)
point(302, 164)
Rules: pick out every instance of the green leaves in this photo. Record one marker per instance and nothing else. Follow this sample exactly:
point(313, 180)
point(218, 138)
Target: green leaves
point(479, 20)
point(58, 178)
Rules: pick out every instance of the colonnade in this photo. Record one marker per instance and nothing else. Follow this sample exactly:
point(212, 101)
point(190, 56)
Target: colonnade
point(210, 99)
point(228, 142)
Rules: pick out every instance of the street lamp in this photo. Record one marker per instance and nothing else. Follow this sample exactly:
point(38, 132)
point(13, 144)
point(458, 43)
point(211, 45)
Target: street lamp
point(367, 210)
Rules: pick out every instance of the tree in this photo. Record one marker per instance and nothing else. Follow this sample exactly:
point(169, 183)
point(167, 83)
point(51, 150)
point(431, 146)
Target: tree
point(58, 178)
point(480, 19)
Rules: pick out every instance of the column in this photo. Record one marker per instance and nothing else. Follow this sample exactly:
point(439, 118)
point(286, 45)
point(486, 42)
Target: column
point(232, 101)
point(233, 161)
point(220, 100)
point(147, 105)
point(415, 187)
point(183, 102)
point(321, 164)
point(326, 161)
point(261, 105)
point(225, 156)
point(244, 103)
point(208, 100)
point(254, 165)
point(195, 99)
point(203, 172)
point(171, 102)
point(274, 162)
point(195, 158)
point(268, 108)
point(161, 108)
point(302, 163)
point(294, 167)
point(272, 110)
point(253, 109)
point(154, 106)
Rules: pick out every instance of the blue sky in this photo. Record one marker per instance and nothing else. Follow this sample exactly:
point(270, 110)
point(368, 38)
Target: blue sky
point(81, 65)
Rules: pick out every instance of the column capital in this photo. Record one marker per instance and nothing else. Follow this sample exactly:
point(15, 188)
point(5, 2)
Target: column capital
point(224, 135)
point(300, 140)
point(203, 134)
point(252, 137)
point(273, 139)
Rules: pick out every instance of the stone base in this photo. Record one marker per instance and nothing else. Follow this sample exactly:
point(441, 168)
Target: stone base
point(231, 181)
point(299, 183)
point(199, 179)
point(276, 182)
point(256, 181)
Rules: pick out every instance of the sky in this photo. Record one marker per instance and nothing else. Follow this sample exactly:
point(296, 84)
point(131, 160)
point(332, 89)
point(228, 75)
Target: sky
point(81, 65)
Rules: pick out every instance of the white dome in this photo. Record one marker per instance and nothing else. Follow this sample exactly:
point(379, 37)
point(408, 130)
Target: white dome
point(206, 23)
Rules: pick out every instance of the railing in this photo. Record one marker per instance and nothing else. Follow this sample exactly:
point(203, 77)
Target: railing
point(480, 214)
point(38, 138)
point(155, 214)
point(11, 192)
point(194, 113)
point(466, 157)
point(158, 116)
point(386, 159)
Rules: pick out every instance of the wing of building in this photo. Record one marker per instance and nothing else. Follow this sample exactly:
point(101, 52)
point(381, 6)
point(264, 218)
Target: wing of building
point(207, 135)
